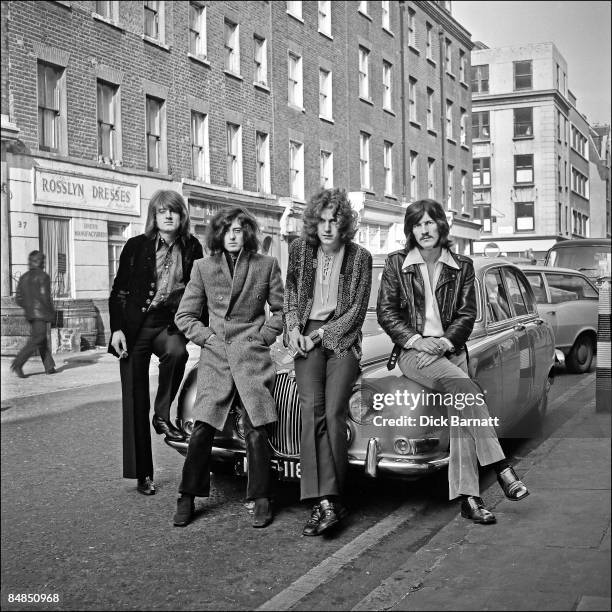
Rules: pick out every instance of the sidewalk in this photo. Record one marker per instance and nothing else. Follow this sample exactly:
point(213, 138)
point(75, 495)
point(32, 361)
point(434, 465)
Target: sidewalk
point(74, 370)
point(550, 551)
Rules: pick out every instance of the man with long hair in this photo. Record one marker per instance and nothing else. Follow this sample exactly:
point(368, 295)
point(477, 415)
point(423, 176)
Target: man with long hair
point(427, 305)
point(323, 318)
point(224, 312)
point(154, 268)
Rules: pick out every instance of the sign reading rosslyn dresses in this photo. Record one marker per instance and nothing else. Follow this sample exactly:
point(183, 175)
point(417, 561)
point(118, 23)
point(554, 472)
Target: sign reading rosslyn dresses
point(70, 190)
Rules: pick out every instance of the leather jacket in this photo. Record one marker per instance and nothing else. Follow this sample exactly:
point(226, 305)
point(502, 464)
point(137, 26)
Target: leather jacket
point(34, 295)
point(401, 300)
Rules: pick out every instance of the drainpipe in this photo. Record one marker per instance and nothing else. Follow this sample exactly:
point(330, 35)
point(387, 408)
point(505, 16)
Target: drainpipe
point(443, 116)
point(403, 96)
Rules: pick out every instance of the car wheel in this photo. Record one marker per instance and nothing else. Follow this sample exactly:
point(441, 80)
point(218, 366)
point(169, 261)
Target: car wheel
point(581, 356)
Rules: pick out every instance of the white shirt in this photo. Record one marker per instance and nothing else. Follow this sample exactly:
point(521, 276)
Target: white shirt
point(433, 322)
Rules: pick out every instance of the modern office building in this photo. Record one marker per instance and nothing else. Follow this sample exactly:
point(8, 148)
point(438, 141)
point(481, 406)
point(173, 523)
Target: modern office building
point(530, 150)
point(600, 186)
point(256, 104)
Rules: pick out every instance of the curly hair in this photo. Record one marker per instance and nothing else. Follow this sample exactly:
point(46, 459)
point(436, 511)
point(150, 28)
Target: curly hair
point(223, 220)
point(173, 200)
point(415, 212)
point(338, 201)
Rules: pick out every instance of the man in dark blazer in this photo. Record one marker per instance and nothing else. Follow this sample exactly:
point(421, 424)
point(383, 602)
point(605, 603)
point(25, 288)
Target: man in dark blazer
point(230, 288)
point(154, 268)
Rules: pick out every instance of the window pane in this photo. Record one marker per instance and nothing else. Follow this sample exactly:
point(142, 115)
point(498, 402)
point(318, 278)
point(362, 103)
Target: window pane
point(498, 308)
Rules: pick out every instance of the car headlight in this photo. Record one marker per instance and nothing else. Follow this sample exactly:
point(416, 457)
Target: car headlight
point(360, 406)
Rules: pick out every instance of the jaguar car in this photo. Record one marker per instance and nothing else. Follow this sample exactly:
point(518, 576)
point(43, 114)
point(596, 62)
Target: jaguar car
point(511, 356)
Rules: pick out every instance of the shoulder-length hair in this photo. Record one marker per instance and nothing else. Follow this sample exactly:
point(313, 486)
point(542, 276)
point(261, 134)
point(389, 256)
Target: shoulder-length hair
point(166, 198)
point(222, 221)
point(415, 212)
point(338, 201)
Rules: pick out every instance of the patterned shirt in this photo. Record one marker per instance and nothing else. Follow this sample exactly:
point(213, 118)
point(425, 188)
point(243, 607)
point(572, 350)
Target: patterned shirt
point(169, 267)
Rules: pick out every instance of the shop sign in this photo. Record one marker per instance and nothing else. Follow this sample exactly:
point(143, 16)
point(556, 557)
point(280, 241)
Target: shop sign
point(90, 229)
point(69, 190)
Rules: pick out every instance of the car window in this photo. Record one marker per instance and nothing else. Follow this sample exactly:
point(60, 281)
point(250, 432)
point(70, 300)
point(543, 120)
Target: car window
point(584, 258)
point(498, 308)
point(537, 284)
point(516, 295)
point(568, 287)
point(527, 294)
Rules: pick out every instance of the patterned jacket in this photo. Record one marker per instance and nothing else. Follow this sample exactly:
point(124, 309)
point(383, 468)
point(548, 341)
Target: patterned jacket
point(343, 331)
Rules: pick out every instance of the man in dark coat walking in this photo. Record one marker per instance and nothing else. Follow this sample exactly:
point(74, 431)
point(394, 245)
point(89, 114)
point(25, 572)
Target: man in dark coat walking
point(154, 268)
point(34, 296)
point(229, 290)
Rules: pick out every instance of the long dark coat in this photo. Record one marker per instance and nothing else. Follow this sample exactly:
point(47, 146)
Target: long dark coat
point(237, 358)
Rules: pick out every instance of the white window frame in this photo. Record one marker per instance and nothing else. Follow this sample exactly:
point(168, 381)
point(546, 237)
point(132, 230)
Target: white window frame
point(462, 65)
point(365, 174)
point(234, 154)
point(387, 85)
point(386, 15)
point(388, 166)
point(412, 28)
point(450, 179)
point(158, 8)
point(262, 162)
point(201, 43)
point(295, 80)
point(431, 178)
point(414, 175)
point(58, 106)
point(231, 40)
point(326, 108)
point(260, 60)
point(429, 42)
point(160, 133)
point(114, 120)
point(296, 169)
point(326, 167)
point(430, 110)
point(448, 56)
point(463, 190)
point(200, 160)
point(463, 127)
point(294, 8)
point(449, 119)
point(412, 100)
point(364, 73)
point(110, 11)
point(482, 176)
point(324, 17)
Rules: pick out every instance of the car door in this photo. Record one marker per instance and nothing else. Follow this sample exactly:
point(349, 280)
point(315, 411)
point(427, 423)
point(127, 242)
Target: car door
point(573, 304)
point(500, 326)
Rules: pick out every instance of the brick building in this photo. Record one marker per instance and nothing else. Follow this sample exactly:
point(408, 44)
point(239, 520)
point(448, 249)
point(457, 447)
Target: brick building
point(530, 149)
point(600, 184)
point(249, 103)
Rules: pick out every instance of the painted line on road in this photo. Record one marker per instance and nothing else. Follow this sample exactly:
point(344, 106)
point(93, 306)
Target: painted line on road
point(331, 566)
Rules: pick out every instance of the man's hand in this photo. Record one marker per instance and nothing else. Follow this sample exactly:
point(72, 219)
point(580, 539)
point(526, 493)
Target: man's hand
point(119, 343)
point(297, 343)
point(425, 359)
point(432, 346)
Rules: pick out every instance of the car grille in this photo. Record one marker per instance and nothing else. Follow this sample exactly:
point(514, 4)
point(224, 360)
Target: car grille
point(285, 438)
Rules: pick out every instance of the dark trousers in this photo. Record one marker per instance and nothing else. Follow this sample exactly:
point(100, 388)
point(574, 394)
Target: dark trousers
point(172, 352)
point(196, 469)
point(37, 340)
point(324, 384)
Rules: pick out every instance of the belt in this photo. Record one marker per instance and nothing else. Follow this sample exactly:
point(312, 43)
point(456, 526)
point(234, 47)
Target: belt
point(397, 350)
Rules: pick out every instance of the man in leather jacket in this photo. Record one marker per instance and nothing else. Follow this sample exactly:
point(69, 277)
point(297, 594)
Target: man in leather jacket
point(34, 296)
point(427, 305)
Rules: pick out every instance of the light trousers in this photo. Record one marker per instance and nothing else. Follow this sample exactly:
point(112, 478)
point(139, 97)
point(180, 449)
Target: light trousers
point(469, 445)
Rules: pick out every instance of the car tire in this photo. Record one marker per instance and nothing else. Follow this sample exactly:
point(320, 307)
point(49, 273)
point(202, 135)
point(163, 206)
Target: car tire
point(580, 357)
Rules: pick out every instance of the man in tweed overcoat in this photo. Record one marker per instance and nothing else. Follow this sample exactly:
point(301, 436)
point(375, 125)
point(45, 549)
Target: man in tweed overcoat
point(223, 311)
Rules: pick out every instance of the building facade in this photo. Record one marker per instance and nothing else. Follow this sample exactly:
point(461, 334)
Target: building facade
point(600, 186)
point(530, 150)
point(255, 104)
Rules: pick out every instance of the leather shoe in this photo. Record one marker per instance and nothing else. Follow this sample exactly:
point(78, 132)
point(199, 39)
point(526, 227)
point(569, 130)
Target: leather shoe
point(146, 486)
point(473, 508)
point(331, 514)
point(51, 371)
point(18, 371)
point(312, 524)
point(512, 487)
point(162, 426)
point(185, 509)
point(262, 514)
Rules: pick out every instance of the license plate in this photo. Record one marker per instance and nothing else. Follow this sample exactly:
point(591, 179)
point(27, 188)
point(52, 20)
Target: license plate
point(288, 469)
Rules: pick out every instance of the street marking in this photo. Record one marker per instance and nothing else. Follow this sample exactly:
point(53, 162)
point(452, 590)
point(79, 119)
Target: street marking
point(331, 566)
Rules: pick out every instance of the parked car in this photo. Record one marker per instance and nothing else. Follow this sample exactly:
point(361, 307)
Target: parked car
point(590, 256)
point(568, 300)
point(511, 355)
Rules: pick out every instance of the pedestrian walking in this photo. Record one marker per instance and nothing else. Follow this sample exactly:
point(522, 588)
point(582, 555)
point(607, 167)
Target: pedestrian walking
point(326, 300)
point(224, 312)
point(34, 296)
point(154, 269)
point(427, 305)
